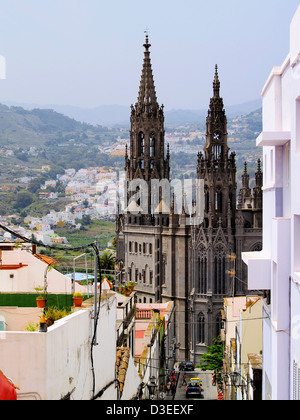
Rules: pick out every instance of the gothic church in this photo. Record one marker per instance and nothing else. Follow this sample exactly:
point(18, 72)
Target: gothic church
point(161, 246)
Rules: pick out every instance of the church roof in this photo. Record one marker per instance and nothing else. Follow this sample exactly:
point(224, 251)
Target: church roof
point(133, 207)
point(162, 208)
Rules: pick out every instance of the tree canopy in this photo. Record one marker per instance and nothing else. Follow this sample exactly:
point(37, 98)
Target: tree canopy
point(213, 359)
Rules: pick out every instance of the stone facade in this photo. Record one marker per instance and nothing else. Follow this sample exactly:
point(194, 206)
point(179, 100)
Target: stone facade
point(166, 250)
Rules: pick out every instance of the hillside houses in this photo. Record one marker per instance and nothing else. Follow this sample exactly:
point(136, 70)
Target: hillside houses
point(92, 192)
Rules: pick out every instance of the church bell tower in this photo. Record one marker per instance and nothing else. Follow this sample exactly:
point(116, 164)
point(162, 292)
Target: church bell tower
point(147, 160)
point(216, 167)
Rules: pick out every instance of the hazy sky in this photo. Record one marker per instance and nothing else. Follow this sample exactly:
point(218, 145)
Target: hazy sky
point(90, 52)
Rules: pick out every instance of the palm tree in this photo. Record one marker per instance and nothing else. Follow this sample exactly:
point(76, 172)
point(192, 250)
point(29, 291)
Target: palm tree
point(107, 261)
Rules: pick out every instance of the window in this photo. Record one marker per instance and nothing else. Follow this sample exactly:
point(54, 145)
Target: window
point(201, 328)
point(144, 276)
point(150, 249)
point(142, 144)
point(220, 278)
point(152, 145)
point(202, 275)
point(151, 278)
point(217, 152)
point(206, 200)
point(218, 201)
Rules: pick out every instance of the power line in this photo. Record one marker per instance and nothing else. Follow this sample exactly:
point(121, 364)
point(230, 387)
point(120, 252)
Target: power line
point(38, 243)
point(205, 322)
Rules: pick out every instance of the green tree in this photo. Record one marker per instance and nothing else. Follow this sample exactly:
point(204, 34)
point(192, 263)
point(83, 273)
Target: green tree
point(24, 199)
point(34, 185)
point(107, 261)
point(213, 359)
point(86, 220)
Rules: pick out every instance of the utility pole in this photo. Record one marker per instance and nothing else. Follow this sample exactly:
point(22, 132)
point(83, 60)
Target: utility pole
point(96, 252)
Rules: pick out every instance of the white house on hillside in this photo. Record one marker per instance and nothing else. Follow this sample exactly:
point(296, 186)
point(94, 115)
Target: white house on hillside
point(277, 267)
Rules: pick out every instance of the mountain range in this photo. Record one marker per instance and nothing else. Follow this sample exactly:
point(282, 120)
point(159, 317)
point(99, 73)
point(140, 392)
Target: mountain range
point(111, 115)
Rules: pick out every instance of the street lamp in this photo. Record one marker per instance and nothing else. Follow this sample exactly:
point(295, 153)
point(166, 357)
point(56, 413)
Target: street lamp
point(235, 378)
point(152, 387)
point(238, 381)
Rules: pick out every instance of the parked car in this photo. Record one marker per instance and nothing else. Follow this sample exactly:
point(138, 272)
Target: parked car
point(194, 388)
point(186, 366)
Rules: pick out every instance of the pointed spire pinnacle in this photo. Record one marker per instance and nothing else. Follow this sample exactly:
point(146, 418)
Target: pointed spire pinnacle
point(259, 175)
point(147, 45)
point(216, 102)
point(216, 83)
point(147, 101)
point(259, 165)
point(245, 180)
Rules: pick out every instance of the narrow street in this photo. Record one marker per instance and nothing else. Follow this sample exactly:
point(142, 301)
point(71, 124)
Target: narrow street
point(209, 391)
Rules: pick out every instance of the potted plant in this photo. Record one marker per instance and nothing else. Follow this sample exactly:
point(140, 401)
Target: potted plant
point(77, 299)
point(41, 299)
point(131, 286)
point(121, 289)
point(127, 290)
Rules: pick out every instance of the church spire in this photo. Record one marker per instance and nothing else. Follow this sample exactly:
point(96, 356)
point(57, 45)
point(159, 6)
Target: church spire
point(147, 100)
point(147, 160)
point(216, 83)
point(216, 134)
point(217, 168)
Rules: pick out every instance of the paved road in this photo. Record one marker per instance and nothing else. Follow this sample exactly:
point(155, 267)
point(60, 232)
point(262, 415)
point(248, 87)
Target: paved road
point(209, 391)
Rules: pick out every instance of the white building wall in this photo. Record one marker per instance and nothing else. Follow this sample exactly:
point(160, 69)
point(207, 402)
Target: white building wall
point(50, 365)
point(31, 275)
point(280, 258)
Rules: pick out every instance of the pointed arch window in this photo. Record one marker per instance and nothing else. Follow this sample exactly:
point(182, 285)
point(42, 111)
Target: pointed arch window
point(152, 145)
point(201, 328)
point(217, 152)
point(202, 275)
point(206, 192)
point(142, 144)
point(219, 200)
point(219, 271)
point(131, 272)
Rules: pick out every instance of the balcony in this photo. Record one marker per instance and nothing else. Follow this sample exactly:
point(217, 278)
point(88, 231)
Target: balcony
point(259, 270)
point(273, 138)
